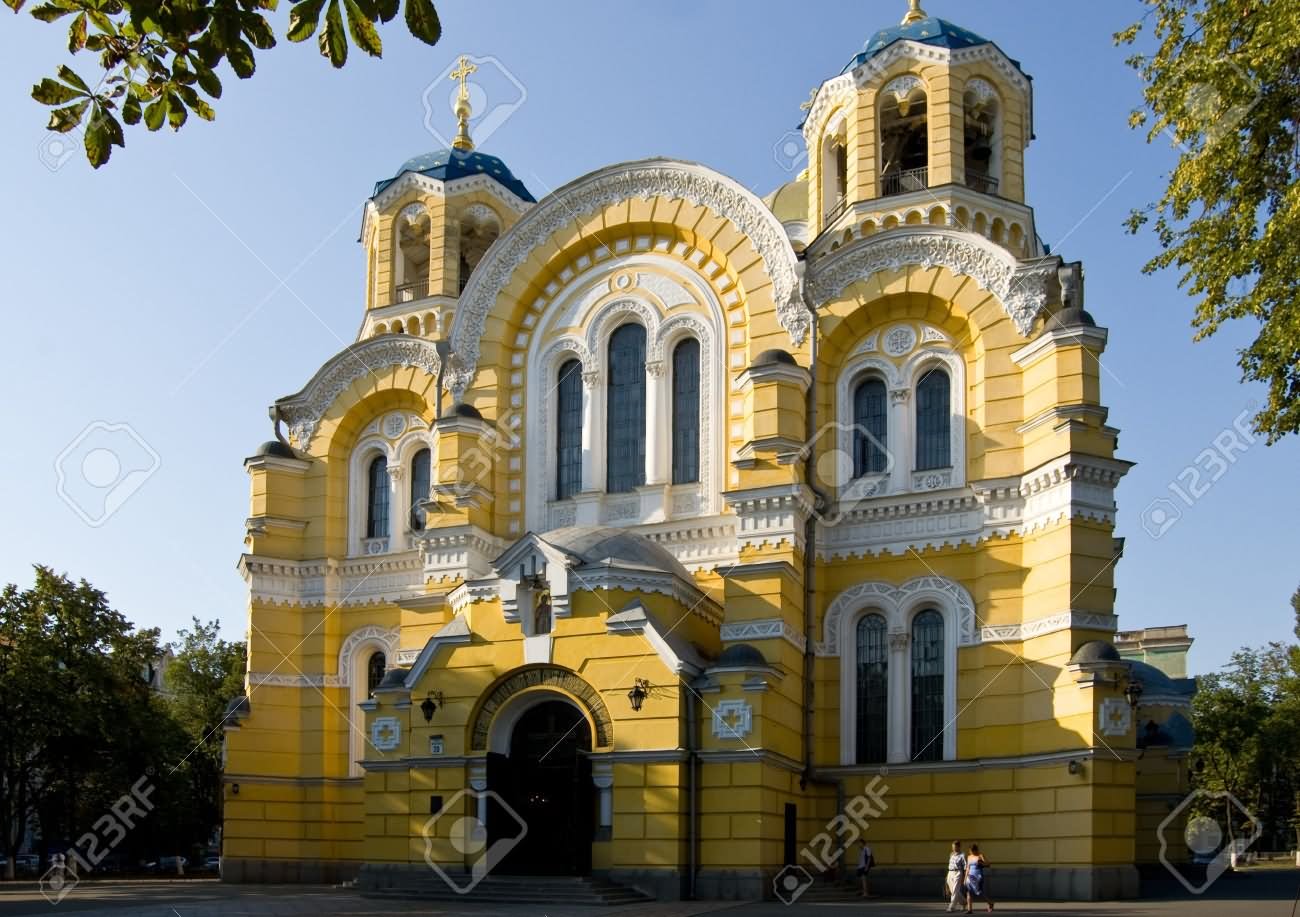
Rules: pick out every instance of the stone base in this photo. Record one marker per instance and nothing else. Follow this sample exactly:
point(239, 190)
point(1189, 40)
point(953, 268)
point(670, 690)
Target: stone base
point(307, 872)
point(660, 884)
point(734, 884)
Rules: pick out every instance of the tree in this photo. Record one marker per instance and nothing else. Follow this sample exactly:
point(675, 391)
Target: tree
point(206, 673)
point(159, 58)
point(1224, 85)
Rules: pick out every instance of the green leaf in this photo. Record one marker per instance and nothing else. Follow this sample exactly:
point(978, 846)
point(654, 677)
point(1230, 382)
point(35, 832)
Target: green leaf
point(362, 29)
point(68, 76)
point(131, 110)
point(48, 12)
point(63, 120)
point(333, 39)
point(155, 112)
point(208, 81)
point(77, 34)
point(258, 31)
point(14, 5)
point(387, 9)
point(304, 18)
point(52, 92)
point(102, 134)
point(240, 56)
point(422, 20)
point(176, 113)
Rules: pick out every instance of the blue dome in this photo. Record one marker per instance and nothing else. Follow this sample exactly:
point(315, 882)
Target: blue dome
point(928, 31)
point(448, 165)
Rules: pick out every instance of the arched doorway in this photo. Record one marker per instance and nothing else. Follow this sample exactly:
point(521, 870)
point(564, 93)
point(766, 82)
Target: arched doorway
point(546, 779)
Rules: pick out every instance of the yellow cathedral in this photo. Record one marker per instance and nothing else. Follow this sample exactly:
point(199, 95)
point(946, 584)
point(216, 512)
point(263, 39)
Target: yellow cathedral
point(668, 536)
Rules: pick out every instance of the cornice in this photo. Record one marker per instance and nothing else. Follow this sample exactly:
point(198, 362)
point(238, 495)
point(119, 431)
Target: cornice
point(1092, 337)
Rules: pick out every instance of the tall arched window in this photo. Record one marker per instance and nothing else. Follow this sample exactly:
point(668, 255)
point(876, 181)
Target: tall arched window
point(375, 667)
point(927, 686)
point(872, 689)
point(377, 499)
point(870, 430)
point(686, 412)
point(904, 136)
point(420, 479)
point(568, 426)
point(625, 434)
point(981, 116)
point(933, 421)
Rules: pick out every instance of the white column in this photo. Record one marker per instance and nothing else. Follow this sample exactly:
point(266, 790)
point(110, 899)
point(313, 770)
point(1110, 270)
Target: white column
point(602, 775)
point(900, 685)
point(656, 442)
point(900, 440)
point(590, 381)
point(478, 783)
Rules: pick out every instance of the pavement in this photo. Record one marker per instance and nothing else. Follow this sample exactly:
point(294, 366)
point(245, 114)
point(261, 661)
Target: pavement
point(1266, 893)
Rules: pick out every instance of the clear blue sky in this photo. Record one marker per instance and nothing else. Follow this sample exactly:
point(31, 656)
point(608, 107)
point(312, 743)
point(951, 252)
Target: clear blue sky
point(150, 292)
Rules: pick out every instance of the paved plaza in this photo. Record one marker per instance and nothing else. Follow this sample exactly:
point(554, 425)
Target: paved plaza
point(1269, 893)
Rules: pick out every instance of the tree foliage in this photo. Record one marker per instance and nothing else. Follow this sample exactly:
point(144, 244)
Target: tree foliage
point(1247, 721)
point(1223, 83)
point(81, 725)
point(160, 59)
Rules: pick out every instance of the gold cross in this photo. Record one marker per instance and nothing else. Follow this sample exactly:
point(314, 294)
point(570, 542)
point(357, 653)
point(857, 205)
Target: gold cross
point(463, 69)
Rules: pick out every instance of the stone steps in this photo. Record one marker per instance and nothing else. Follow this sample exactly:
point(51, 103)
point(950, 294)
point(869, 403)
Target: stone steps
point(539, 890)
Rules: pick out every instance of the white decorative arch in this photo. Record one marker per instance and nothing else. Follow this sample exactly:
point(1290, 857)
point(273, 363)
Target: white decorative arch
point(645, 179)
point(504, 721)
point(900, 87)
point(303, 410)
point(899, 605)
point(1021, 287)
point(982, 89)
point(588, 320)
point(354, 655)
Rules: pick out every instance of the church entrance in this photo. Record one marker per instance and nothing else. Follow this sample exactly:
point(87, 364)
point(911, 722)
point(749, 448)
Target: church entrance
point(546, 779)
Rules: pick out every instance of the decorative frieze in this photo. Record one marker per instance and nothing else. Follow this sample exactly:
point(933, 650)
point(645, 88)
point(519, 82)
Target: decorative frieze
point(764, 630)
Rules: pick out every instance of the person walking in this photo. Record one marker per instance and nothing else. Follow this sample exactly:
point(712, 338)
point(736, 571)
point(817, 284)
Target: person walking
point(976, 881)
point(865, 862)
point(955, 883)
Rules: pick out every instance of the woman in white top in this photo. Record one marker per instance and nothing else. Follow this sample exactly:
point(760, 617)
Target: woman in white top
point(955, 883)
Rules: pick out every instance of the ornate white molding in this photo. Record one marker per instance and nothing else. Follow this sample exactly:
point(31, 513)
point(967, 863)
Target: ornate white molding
point(349, 582)
point(371, 633)
point(1021, 287)
point(764, 630)
point(1050, 624)
point(897, 603)
point(645, 179)
point(733, 719)
point(303, 410)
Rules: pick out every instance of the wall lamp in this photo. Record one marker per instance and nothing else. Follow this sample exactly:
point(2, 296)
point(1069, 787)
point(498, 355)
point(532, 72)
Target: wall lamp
point(640, 691)
point(430, 705)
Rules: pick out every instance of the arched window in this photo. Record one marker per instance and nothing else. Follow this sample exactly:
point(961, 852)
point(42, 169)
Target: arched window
point(872, 689)
point(625, 434)
point(686, 412)
point(420, 474)
point(375, 667)
point(904, 136)
point(927, 686)
point(377, 499)
point(568, 436)
point(870, 430)
point(933, 421)
point(981, 121)
point(412, 254)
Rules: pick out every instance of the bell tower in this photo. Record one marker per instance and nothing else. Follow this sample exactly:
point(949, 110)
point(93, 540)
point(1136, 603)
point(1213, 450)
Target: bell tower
point(928, 123)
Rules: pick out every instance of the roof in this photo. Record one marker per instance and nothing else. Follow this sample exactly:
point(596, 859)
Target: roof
point(931, 30)
point(614, 547)
point(449, 165)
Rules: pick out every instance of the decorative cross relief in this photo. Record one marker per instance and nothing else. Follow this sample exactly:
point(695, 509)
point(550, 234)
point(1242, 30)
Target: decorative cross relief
point(386, 733)
point(733, 719)
point(1116, 716)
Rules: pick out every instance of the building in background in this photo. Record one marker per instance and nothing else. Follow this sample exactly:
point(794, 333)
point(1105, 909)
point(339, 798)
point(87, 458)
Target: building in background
point(1165, 648)
point(663, 527)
